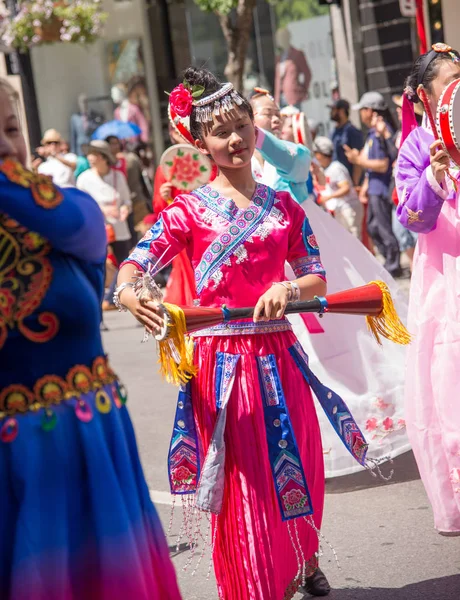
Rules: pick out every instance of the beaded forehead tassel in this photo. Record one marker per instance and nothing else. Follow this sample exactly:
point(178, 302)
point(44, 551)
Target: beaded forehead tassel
point(184, 98)
point(223, 100)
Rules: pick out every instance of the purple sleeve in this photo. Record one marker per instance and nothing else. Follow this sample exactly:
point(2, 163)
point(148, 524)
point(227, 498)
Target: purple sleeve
point(420, 195)
point(75, 225)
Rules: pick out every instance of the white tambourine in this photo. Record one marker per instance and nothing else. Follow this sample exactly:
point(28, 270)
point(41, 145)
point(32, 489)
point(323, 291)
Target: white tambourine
point(448, 120)
point(185, 167)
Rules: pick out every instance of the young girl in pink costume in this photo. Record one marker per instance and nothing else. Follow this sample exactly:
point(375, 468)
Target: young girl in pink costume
point(246, 438)
point(428, 205)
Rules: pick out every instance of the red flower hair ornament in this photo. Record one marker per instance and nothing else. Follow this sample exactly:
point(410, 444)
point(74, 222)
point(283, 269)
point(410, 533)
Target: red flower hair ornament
point(181, 101)
point(182, 97)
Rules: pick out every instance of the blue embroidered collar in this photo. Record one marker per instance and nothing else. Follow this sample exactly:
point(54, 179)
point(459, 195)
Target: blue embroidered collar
point(226, 207)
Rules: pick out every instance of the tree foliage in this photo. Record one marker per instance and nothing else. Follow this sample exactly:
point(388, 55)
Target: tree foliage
point(288, 11)
point(222, 7)
point(236, 18)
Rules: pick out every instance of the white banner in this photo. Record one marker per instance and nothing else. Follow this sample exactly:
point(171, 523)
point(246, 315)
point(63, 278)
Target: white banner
point(314, 38)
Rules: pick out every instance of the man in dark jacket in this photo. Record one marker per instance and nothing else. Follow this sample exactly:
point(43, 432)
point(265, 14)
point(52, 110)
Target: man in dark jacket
point(376, 159)
point(346, 134)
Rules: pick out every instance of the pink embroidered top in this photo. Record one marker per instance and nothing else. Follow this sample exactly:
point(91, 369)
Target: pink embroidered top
point(236, 253)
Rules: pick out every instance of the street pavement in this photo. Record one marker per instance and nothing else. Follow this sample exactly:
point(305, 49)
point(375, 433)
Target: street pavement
point(382, 533)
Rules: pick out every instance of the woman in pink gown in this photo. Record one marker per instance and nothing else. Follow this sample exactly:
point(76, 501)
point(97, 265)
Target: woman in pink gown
point(429, 206)
point(246, 439)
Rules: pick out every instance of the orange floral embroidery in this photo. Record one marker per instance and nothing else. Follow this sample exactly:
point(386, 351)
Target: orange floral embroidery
point(43, 191)
point(102, 371)
point(16, 172)
point(25, 276)
point(52, 389)
point(16, 398)
point(80, 379)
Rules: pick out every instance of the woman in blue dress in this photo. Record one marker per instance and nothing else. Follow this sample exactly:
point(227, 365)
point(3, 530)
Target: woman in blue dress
point(76, 519)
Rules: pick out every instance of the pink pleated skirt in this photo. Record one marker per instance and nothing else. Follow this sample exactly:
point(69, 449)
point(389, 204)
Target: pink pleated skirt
point(432, 383)
point(256, 554)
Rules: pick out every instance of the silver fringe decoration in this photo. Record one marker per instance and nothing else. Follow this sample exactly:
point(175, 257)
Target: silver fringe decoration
point(220, 102)
point(146, 289)
point(320, 535)
point(373, 464)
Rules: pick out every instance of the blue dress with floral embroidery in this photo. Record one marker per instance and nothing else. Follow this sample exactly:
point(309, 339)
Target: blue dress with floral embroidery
point(76, 519)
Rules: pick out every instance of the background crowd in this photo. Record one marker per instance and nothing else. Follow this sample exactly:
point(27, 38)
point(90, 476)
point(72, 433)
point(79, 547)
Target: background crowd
point(351, 176)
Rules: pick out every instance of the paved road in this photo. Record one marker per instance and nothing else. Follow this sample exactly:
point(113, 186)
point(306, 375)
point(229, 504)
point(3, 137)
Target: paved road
point(383, 534)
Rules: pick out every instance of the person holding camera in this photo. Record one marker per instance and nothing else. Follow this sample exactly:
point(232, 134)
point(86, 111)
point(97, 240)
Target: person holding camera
point(377, 158)
point(59, 166)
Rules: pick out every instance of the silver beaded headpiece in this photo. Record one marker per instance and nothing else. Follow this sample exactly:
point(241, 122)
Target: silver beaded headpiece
point(223, 100)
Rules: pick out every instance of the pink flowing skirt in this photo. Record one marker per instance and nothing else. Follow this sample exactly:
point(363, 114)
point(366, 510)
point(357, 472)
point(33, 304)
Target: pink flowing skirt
point(254, 557)
point(433, 383)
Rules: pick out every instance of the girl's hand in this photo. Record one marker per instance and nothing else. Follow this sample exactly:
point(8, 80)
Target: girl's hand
point(272, 304)
point(124, 212)
point(439, 160)
point(148, 313)
point(166, 191)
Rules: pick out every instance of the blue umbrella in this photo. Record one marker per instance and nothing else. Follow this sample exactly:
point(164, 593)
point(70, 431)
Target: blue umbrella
point(120, 129)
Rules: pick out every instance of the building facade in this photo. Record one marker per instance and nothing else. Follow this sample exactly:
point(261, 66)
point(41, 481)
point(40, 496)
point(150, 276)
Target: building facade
point(375, 46)
point(352, 47)
point(442, 22)
point(158, 39)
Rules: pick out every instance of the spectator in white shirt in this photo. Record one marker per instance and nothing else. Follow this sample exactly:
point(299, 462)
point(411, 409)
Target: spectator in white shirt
point(57, 165)
point(110, 190)
point(339, 196)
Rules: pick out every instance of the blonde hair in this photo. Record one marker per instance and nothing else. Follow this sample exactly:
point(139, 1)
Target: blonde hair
point(12, 94)
point(8, 88)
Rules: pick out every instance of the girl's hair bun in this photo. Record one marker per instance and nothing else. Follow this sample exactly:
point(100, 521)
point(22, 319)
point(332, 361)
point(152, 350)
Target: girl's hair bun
point(202, 77)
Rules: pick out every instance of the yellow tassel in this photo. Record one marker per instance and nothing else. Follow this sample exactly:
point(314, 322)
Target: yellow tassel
point(388, 324)
point(176, 351)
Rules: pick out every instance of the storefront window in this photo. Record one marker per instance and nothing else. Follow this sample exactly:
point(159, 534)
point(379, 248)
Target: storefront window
point(128, 86)
point(305, 69)
point(208, 46)
point(290, 53)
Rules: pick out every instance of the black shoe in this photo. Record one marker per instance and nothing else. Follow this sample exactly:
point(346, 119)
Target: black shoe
point(317, 584)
